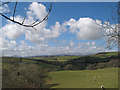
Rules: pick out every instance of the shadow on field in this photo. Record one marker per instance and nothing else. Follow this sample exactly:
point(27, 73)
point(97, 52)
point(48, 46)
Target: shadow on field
point(52, 85)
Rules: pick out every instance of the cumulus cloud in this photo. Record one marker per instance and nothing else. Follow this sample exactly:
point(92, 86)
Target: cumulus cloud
point(43, 49)
point(43, 34)
point(71, 43)
point(12, 31)
point(35, 11)
point(87, 44)
point(85, 28)
point(7, 45)
point(93, 43)
point(4, 9)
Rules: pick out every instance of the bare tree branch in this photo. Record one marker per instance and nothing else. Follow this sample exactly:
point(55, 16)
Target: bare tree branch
point(45, 18)
point(112, 34)
point(23, 20)
point(35, 23)
point(14, 10)
point(4, 3)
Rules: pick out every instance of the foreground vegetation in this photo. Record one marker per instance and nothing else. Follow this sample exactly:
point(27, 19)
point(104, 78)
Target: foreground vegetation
point(61, 71)
point(24, 76)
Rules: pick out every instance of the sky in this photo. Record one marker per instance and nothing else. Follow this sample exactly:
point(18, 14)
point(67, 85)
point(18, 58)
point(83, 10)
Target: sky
point(69, 30)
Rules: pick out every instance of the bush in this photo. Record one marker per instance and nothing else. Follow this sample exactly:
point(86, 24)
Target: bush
point(101, 65)
point(91, 67)
point(24, 76)
point(112, 63)
point(68, 67)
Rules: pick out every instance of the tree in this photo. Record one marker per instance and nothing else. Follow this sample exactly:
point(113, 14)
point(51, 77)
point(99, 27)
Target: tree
point(32, 25)
point(24, 76)
point(68, 67)
point(112, 32)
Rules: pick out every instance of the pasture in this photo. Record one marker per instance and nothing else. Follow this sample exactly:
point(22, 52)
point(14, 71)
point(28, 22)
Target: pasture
point(85, 78)
point(59, 58)
point(66, 72)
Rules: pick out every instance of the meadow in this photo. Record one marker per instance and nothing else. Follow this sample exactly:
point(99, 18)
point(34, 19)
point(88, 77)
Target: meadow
point(62, 71)
point(108, 77)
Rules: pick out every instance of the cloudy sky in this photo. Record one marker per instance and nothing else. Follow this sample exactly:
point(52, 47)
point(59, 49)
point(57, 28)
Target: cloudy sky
point(69, 30)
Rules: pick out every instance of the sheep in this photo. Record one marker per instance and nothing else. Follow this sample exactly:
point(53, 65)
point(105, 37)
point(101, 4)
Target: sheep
point(94, 78)
point(102, 87)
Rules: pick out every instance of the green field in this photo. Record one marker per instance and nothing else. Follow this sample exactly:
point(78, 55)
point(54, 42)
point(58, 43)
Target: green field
point(85, 78)
point(67, 58)
point(59, 58)
point(69, 71)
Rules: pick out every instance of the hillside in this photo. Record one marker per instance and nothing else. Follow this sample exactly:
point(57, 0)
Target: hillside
point(85, 79)
point(96, 61)
point(64, 69)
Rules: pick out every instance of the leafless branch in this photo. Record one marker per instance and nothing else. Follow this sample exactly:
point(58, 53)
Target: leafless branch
point(35, 23)
point(23, 20)
point(45, 18)
point(4, 3)
point(112, 35)
point(14, 10)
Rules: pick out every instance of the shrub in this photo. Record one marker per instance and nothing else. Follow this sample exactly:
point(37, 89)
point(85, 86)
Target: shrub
point(101, 65)
point(91, 67)
point(25, 76)
point(113, 63)
point(68, 67)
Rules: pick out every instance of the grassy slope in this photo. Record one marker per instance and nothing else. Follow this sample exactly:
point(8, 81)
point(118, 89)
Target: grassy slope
point(84, 79)
point(59, 58)
point(6, 63)
point(66, 58)
point(77, 79)
point(104, 55)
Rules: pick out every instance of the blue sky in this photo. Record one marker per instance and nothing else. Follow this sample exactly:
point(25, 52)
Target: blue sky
point(62, 11)
point(66, 15)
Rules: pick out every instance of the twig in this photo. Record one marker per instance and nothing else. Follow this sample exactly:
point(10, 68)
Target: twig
point(35, 23)
point(14, 10)
point(4, 3)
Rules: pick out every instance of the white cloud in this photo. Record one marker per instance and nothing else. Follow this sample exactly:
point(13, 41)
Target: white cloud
point(85, 28)
point(54, 32)
point(87, 43)
point(35, 11)
point(112, 31)
point(4, 9)
point(93, 43)
point(71, 43)
point(12, 31)
point(7, 45)
point(38, 9)
point(43, 49)
point(43, 34)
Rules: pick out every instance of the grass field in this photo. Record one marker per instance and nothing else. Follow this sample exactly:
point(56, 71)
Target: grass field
point(66, 58)
point(72, 78)
point(59, 58)
point(85, 79)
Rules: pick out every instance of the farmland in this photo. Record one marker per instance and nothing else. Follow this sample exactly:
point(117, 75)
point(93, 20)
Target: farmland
point(85, 79)
point(64, 71)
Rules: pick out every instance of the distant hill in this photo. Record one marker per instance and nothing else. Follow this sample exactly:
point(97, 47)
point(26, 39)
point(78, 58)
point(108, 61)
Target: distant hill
point(72, 62)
